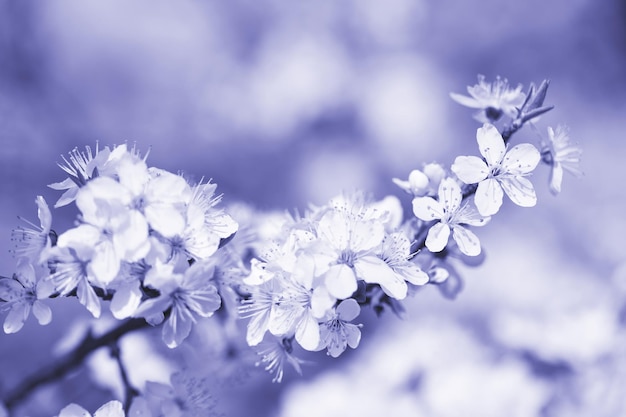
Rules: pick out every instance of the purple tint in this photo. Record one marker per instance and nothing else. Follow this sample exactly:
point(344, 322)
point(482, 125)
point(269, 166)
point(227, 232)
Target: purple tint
point(287, 103)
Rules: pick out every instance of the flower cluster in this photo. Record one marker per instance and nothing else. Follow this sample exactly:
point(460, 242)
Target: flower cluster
point(145, 238)
point(308, 282)
point(156, 246)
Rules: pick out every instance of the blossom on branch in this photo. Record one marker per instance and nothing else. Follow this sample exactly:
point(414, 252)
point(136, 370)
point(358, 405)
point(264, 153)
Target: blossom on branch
point(493, 99)
point(452, 214)
point(500, 170)
point(561, 155)
point(22, 294)
point(188, 295)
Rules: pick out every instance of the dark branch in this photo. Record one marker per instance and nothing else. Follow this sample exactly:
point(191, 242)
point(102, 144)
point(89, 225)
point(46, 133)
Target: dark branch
point(130, 391)
point(69, 361)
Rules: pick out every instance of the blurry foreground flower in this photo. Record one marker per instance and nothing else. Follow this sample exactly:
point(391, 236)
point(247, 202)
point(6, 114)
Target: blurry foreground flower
point(20, 294)
point(188, 396)
point(493, 99)
point(110, 409)
point(274, 353)
point(562, 155)
point(502, 171)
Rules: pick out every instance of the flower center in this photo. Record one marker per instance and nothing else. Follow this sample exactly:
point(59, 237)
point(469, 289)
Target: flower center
point(493, 114)
point(347, 257)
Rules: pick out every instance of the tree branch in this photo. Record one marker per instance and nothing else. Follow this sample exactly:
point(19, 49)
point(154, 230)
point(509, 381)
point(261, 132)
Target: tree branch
point(69, 361)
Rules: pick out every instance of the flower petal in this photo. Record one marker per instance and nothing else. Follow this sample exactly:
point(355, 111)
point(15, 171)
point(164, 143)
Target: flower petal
point(427, 208)
point(176, 328)
point(126, 300)
point(466, 101)
point(348, 309)
point(438, 236)
point(490, 144)
point(333, 227)
point(488, 197)
point(42, 313)
point(521, 159)
point(374, 270)
point(87, 297)
point(470, 169)
point(110, 409)
point(412, 273)
point(308, 332)
point(520, 190)
point(167, 219)
point(450, 195)
point(284, 317)
point(353, 334)
point(257, 326)
point(556, 178)
point(16, 317)
point(340, 281)
point(466, 240)
point(74, 410)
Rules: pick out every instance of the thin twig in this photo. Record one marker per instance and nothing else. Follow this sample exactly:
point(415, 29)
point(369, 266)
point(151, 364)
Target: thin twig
point(69, 361)
point(130, 391)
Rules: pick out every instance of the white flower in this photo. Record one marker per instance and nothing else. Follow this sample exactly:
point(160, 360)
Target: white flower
point(493, 99)
point(190, 295)
point(287, 303)
point(502, 171)
point(421, 183)
point(258, 307)
point(70, 267)
point(110, 409)
point(81, 167)
point(293, 309)
point(34, 242)
point(396, 252)
point(337, 331)
point(20, 294)
point(114, 232)
point(452, 215)
point(158, 194)
point(348, 248)
point(562, 155)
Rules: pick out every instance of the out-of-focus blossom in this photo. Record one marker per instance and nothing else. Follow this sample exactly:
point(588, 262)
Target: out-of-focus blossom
point(422, 183)
point(452, 214)
point(561, 155)
point(110, 409)
point(115, 233)
point(493, 99)
point(274, 353)
point(337, 332)
point(33, 242)
point(187, 396)
point(21, 294)
point(502, 171)
point(188, 295)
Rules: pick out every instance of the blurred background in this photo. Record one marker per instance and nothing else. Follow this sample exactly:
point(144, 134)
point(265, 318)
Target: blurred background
point(284, 103)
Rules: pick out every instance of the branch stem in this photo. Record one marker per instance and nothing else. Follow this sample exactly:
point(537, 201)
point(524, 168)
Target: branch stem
point(69, 361)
